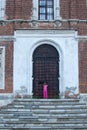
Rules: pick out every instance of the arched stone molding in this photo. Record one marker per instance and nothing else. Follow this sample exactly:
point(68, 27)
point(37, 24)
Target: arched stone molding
point(30, 69)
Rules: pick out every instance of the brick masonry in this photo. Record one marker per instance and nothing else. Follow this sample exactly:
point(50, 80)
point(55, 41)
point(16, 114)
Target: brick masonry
point(69, 9)
point(8, 67)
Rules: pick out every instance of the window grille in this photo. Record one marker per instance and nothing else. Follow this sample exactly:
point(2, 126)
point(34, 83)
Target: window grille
point(46, 9)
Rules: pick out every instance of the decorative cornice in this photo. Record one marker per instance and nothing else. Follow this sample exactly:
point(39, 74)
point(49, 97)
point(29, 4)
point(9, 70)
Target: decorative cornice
point(30, 21)
point(45, 31)
point(81, 38)
point(7, 38)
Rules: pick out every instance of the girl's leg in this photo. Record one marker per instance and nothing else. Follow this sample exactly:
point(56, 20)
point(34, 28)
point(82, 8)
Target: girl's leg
point(46, 94)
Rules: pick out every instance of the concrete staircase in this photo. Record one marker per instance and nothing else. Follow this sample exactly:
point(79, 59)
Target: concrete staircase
point(44, 114)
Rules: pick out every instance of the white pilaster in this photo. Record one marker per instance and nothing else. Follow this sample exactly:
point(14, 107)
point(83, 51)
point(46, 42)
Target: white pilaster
point(35, 10)
point(56, 9)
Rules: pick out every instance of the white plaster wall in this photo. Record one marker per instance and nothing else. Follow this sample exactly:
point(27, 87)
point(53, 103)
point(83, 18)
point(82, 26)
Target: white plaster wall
point(24, 46)
point(71, 63)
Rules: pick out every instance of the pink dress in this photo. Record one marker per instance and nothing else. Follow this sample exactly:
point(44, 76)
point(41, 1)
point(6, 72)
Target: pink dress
point(45, 93)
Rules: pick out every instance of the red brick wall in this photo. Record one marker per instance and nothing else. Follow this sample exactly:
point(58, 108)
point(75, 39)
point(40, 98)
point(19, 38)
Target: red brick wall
point(77, 9)
point(83, 66)
point(68, 9)
point(19, 9)
point(7, 29)
point(73, 9)
point(10, 7)
point(8, 67)
point(22, 9)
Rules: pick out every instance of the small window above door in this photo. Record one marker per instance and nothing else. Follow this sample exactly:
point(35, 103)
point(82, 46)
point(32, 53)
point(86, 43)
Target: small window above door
point(46, 10)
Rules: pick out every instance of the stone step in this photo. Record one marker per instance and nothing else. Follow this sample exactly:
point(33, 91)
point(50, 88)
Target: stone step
point(33, 128)
point(42, 114)
point(36, 128)
point(46, 117)
point(44, 121)
point(4, 129)
point(40, 126)
point(41, 118)
point(43, 128)
point(27, 128)
point(63, 115)
point(46, 106)
point(47, 101)
point(56, 111)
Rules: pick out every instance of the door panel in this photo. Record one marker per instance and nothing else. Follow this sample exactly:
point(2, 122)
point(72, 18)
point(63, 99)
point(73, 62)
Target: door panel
point(45, 69)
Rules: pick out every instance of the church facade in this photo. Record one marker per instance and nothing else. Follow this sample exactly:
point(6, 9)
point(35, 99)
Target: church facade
point(43, 41)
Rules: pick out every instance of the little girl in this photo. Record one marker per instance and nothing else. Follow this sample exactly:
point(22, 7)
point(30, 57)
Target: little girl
point(45, 93)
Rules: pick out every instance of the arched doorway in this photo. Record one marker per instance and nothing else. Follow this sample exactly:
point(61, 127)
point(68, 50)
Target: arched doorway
point(45, 68)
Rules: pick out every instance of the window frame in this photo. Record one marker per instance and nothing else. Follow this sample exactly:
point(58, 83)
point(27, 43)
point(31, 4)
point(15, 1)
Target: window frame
point(56, 10)
point(45, 7)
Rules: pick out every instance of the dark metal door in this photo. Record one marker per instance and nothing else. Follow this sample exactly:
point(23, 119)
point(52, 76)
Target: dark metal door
point(45, 69)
